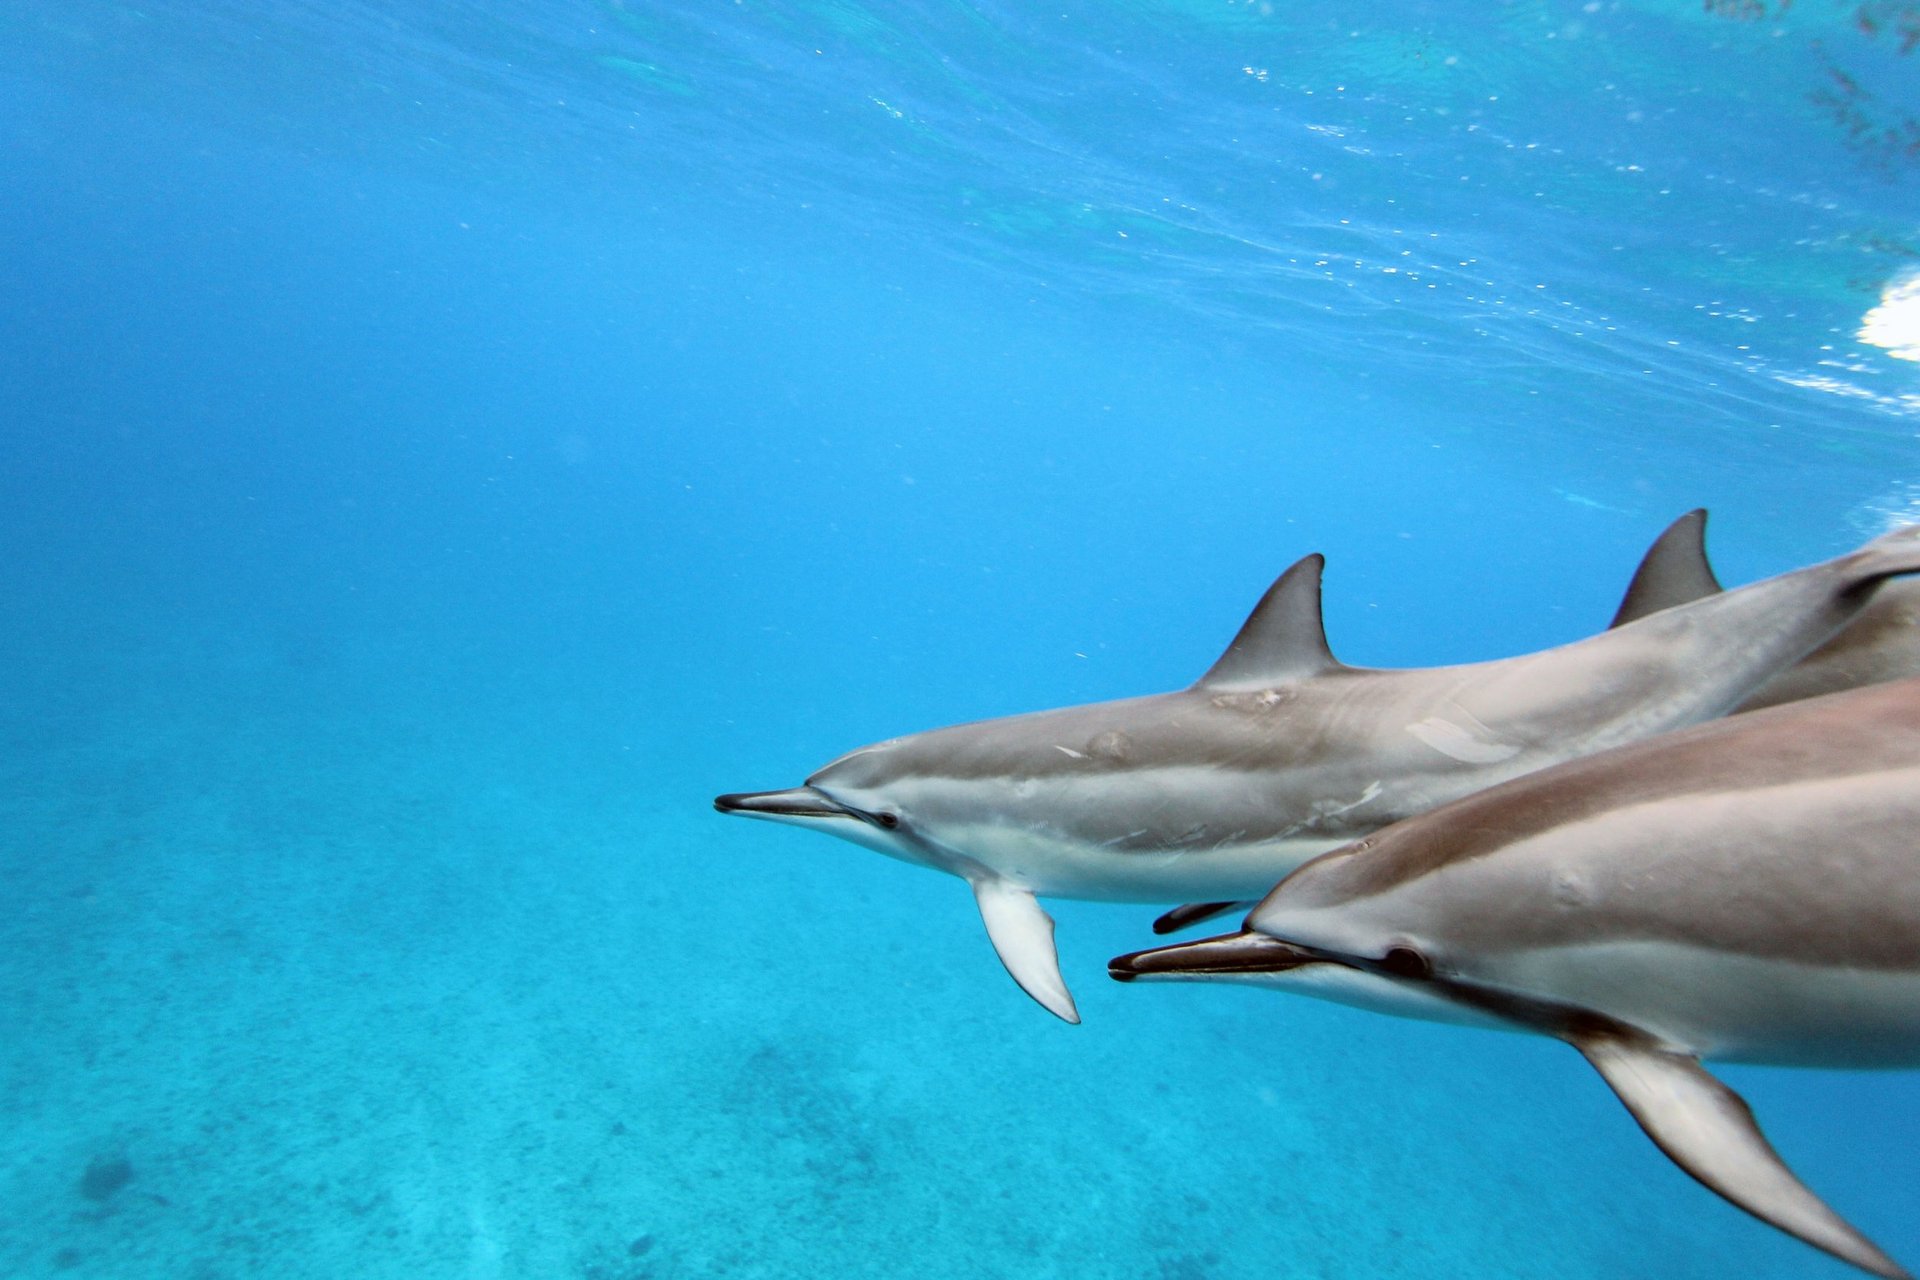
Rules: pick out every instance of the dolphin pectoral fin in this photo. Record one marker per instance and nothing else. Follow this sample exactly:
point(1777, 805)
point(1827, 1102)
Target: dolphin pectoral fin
point(1022, 934)
point(1674, 571)
point(1709, 1131)
point(1192, 913)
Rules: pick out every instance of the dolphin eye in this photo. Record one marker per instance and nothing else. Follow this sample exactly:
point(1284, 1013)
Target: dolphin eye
point(1405, 962)
point(887, 820)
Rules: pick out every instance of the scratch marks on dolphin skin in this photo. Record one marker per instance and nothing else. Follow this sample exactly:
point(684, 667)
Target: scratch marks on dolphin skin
point(1257, 700)
point(1328, 809)
point(1571, 889)
point(1114, 747)
point(1464, 745)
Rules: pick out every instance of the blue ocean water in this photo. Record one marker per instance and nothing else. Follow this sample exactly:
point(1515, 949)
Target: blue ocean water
point(441, 446)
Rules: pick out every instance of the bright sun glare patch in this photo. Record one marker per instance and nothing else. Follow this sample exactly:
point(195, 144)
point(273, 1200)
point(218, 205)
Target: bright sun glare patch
point(1895, 323)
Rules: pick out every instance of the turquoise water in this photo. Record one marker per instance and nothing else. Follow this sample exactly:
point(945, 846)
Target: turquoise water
point(442, 446)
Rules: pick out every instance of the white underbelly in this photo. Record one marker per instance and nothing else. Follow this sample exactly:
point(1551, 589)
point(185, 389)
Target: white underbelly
point(1050, 866)
point(1730, 1007)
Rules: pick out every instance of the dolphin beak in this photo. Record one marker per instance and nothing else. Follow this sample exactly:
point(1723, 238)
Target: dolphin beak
point(1229, 955)
point(796, 802)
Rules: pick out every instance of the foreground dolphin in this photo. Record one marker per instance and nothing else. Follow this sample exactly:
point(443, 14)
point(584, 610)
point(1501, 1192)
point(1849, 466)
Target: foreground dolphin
point(1747, 890)
point(1280, 752)
point(1882, 644)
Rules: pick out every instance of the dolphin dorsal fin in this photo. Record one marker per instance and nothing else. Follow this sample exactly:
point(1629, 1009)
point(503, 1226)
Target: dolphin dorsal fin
point(1674, 571)
point(1283, 639)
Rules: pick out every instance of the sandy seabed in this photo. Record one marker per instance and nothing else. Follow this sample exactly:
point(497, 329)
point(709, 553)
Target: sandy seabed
point(375, 964)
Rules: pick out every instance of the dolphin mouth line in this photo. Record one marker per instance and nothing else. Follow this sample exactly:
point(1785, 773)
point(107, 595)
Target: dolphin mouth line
point(1252, 952)
point(1229, 953)
point(795, 802)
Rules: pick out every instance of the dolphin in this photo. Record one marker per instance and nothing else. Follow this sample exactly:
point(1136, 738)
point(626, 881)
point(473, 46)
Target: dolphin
point(1746, 890)
point(1882, 643)
point(1280, 752)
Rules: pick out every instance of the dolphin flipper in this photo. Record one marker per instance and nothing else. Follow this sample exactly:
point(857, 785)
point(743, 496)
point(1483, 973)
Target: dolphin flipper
point(1674, 571)
point(1191, 913)
point(1022, 934)
point(1709, 1131)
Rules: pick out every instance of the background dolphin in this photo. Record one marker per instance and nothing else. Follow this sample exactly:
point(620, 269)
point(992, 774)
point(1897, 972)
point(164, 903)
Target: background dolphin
point(1280, 752)
point(1747, 890)
point(1881, 644)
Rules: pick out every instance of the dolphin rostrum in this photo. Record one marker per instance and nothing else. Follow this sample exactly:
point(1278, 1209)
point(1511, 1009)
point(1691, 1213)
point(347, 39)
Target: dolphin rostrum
point(1746, 890)
point(1882, 644)
point(1280, 752)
